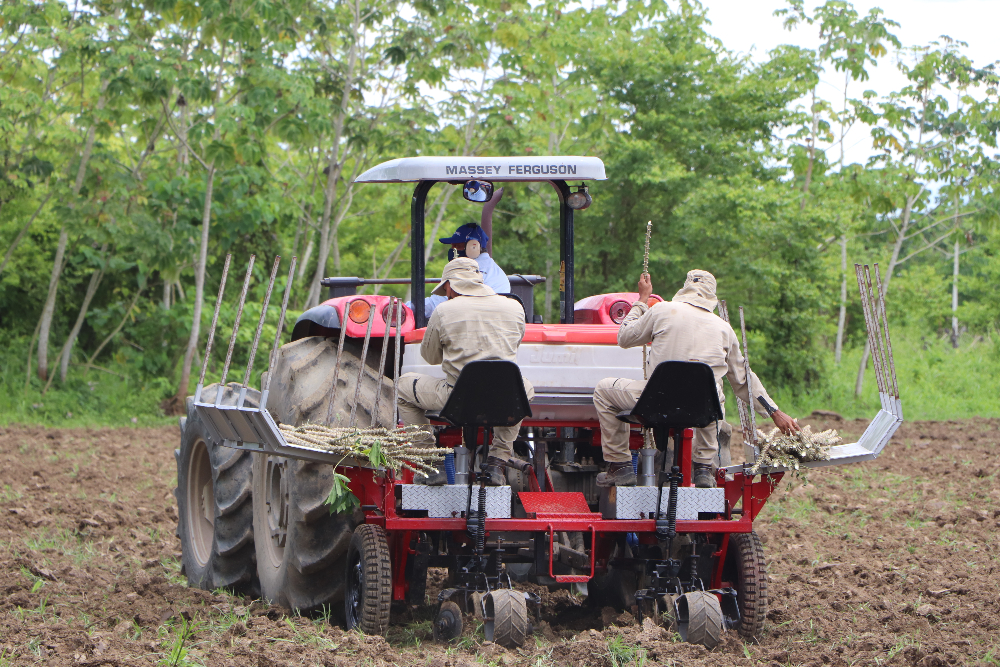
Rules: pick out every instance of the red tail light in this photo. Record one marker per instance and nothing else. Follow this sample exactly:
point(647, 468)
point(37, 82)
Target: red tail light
point(618, 311)
point(389, 312)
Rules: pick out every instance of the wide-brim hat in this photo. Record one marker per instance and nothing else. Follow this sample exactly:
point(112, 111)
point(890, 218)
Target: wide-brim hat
point(698, 290)
point(464, 277)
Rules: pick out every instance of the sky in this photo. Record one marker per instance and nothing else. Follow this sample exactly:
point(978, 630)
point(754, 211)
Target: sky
point(750, 27)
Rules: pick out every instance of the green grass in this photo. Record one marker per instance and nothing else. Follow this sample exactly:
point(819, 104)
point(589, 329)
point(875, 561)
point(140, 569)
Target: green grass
point(88, 398)
point(935, 381)
point(621, 653)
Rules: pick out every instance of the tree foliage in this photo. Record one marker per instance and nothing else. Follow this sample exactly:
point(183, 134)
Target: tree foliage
point(138, 136)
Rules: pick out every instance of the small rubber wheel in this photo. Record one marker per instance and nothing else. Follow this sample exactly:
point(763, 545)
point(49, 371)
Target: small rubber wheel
point(448, 624)
point(699, 619)
point(369, 581)
point(506, 618)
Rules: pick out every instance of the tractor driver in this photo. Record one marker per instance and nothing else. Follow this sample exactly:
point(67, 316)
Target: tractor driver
point(684, 329)
point(472, 323)
point(470, 241)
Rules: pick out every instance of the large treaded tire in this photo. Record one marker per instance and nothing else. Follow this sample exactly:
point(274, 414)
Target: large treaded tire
point(369, 581)
point(506, 618)
point(301, 547)
point(746, 569)
point(214, 505)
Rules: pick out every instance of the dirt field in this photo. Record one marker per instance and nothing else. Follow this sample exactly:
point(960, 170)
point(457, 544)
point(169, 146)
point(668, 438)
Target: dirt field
point(891, 562)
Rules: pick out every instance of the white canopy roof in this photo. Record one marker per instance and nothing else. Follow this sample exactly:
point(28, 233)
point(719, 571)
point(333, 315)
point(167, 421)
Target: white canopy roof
point(534, 168)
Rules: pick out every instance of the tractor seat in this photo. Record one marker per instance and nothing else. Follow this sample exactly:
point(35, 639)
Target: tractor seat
point(487, 393)
point(679, 395)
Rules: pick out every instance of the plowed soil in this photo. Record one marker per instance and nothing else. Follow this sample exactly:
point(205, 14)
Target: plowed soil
point(894, 561)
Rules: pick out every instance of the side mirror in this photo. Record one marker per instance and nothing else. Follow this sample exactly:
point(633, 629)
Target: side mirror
point(478, 191)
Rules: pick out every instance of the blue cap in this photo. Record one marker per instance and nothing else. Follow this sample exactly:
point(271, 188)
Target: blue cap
point(466, 233)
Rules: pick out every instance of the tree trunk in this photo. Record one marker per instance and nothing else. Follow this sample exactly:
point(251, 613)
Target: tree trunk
point(334, 165)
point(67, 351)
point(842, 318)
point(199, 289)
point(45, 324)
point(57, 265)
point(954, 299)
point(812, 154)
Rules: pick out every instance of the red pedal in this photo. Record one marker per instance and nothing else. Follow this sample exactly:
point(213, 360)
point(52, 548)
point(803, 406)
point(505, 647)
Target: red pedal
point(551, 502)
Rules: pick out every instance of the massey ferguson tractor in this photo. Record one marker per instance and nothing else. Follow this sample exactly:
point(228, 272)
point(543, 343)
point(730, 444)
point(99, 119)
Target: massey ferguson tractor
point(254, 504)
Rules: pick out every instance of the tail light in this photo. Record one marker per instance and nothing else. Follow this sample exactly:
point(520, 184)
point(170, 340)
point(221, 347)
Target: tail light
point(653, 300)
point(389, 312)
point(618, 311)
point(360, 311)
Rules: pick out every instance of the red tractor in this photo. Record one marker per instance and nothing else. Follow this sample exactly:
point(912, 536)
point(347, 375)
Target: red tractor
point(253, 507)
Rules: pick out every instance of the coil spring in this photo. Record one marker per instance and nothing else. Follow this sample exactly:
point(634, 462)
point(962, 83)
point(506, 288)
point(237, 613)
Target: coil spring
point(672, 507)
point(481, 536)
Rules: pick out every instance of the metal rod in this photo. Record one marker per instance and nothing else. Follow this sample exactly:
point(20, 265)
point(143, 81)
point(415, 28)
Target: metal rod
point(260, 322)
point(882, 365)
point(236, 329)
point(866, 307)
point(215, 323)
point(381, 365)
point(397, 363)
point(876, 305)
point(888, 341)
point(859, 272)
point(336, 368)
point(273, 357)
point(741, 407)
point(749, 374)
point(361, 365)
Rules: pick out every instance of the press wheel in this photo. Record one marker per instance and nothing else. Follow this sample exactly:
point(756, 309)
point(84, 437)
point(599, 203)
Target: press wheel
point(369, 581)
point(448, 623)
point(699, 619)
point(506, 618)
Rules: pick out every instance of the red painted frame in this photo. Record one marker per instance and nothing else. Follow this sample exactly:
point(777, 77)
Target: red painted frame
point(377, 489)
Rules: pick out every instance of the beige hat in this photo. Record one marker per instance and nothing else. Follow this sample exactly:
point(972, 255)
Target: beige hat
point(464, 276)
point(698, 290)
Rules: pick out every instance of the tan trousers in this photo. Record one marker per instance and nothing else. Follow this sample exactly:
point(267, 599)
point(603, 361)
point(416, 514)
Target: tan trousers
point(419, 393)
point(614, 395)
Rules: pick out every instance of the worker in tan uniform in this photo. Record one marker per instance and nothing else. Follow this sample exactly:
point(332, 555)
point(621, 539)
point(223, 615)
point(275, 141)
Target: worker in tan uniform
point(475, 323)
point(683, 329)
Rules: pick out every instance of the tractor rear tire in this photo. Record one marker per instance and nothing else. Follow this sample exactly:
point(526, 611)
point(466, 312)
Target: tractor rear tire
point(214, 505)
point(302, 548)
point(700, 619)
point(746, 569)
point(506, 618)
point(369, 581)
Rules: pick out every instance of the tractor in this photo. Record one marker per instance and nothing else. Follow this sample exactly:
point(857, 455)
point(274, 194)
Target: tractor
point(253, 507)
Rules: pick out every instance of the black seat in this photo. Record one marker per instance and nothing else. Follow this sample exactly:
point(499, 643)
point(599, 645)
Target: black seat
point(487, 393)
point(679, 395)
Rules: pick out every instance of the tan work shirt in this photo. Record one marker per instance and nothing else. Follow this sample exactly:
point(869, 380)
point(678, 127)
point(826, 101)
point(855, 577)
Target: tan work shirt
point(682, 332)
point(470, 328)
